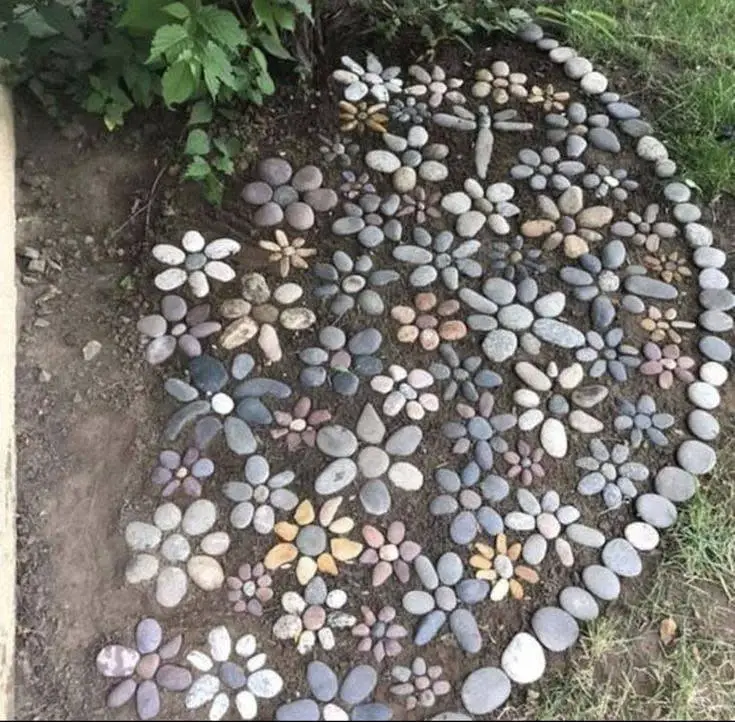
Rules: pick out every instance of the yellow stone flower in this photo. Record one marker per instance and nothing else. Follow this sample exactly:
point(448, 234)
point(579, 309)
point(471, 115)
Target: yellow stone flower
point(550, 97)
point(304, 540)
point(361, 117)
point(287, 253)
point(671, 267)
point(497, 565)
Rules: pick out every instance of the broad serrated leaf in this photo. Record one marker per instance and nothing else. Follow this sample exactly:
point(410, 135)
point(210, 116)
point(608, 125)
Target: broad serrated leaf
point(222, 26)
point(272, 45)
point(303, 6)
point(177, 10)
point(228, 146)
point(13, 41)
point(263, 10)
point(265, 83)
point(217, 68)
point(224, 163)
point(144, 15)
point(197, 169)
point(201, 112)
point(214, 189)
point(178, 83)
point(197, 142)
point(61, 20)
point(169, 40)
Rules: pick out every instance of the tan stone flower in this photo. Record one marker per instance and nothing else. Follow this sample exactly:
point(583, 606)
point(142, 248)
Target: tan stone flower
point(671, 267)
point(361, 117)
point(550, 97)
point(302, 539)
point(663, 325)
point(500, 83)
point(567, 222)
point(498, 566)
point(428, 326)
point(287, 253)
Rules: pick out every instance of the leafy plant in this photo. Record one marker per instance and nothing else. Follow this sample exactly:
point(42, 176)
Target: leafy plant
point(579, 20)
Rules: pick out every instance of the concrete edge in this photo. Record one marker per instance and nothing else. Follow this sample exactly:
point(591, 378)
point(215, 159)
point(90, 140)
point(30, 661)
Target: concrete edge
point(7, 405)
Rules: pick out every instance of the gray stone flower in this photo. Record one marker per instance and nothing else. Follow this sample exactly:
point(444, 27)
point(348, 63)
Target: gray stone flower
point(187, 473)
point(176, 327)
point(499, 83)
point(546, 169)
point(313, 616)
point(242, 675)
point(349, 283)
point(606, 182)
point(211, 398)
point(419, 685)
point(371, 78)
point(259, 496)
point(353, 185)
point(549, 521)
point(366, 219)
point(596, 279)
point(350, 704)
point(463, 376)
point(484, 122)
point(250, 589)
point(610, 473)
point(344, 362)
point(339, 149)
point(420, 204)
point(195, 263)
point(577, 129)
point(466, 498)
point(446, 598)
point(515, 260)
point(512, 314)
point(608, 355)
point(409, 110)
point(476, 207)
point(641, 421)
point(478, 431)
point(140, 669)
point(645, 230)
point(438, 256)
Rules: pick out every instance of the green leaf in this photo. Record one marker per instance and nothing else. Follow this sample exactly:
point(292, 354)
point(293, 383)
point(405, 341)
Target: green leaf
point(167, 39)
point(303, 6)
point(284, 18)
point(217, 68)
point(197, 169)
point(197, 143)
point(214, 189)
point(61, 19)
point(228, 146)
point(178, 83)
point(265, 83)
point(260, 58)
point(177, 10)
point(272, 45)
point(224, 163)
point(13, 41)
point(222, 26)
point(263, 10)
point(95, 103)
point(145, 15)
point(201, 112)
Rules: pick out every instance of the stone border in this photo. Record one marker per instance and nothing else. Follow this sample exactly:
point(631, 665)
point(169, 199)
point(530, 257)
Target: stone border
point(7, 405)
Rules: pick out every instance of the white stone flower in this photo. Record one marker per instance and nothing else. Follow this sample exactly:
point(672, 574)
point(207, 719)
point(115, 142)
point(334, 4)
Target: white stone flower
point(380, 82)
point(246, 677)
point(404, 390)
point(436, 86)
point(195, 263)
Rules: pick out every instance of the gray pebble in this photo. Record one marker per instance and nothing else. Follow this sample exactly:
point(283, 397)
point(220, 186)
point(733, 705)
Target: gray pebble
point(601, 582)
point(579, 603)
point(556, 629)
point(696, 457)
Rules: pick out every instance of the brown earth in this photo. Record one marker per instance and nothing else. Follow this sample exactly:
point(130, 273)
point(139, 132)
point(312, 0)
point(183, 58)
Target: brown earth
point(88, 436)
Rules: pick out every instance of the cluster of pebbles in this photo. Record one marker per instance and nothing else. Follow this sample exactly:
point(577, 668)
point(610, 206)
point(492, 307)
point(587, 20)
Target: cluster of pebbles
point(501, 360)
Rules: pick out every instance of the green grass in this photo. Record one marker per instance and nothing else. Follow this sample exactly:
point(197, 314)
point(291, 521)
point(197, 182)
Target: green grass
point(622, 670)
point(683, 55)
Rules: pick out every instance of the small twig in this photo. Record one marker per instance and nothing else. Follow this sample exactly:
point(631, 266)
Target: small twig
point(151, 193)
point(127, 222)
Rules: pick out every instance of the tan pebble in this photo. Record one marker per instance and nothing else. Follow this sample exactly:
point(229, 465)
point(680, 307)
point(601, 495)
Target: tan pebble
point(305, 570)
point(648, 324)
point(329, 510)
point(516, 590)
point(345, 549)
point(453, 330)
point(448, 308)
point(501, 544)
point(407, 334)
point(326, 564)
point(537, 228)
point(489, 575)
point(485, 549)
point(595, 217)
point(286, 531)
point(425, 301)
point(403, 314)
point(514, 551)
point(479, 562)
point(280, 555)
point(527, 574)
point(429, 339)
point(344, 525)
point(238, 333)
point(304, 513)
point(575, 246)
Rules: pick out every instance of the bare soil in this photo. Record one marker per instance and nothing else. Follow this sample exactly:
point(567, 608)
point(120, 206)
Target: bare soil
point(87, 438)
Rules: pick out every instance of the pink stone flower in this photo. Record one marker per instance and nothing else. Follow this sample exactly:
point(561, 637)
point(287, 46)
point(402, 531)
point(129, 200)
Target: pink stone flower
point(667, 363)
point(300, 425)
point(391, 555)
point(379, 634)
